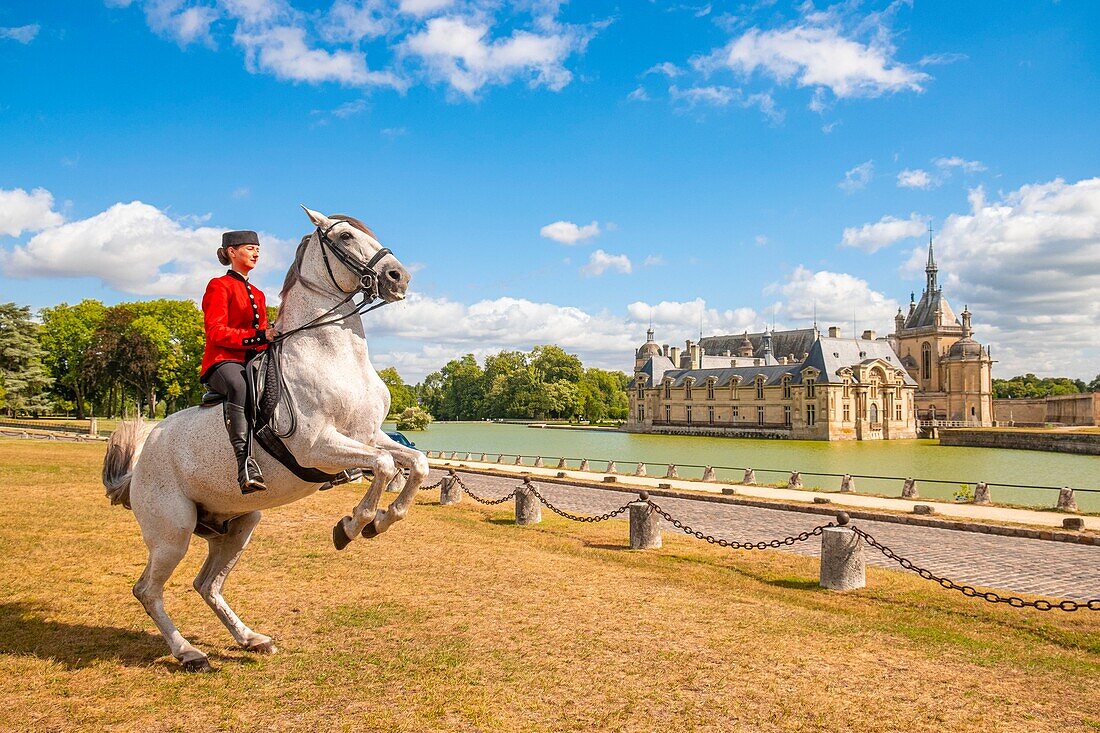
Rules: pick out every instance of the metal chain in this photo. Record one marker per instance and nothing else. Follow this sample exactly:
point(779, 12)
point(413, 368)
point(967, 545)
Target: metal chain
point(436, 485)
point(575, 517)
point(762, 545)
point(480, 499)
point(970, 591)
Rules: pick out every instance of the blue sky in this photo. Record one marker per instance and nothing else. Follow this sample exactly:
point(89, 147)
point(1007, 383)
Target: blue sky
point(563, 172)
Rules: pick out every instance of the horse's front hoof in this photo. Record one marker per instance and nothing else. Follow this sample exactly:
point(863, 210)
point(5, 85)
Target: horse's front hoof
point(340, 538)
point(199, 664)
point(263, 647)
point(371, 530)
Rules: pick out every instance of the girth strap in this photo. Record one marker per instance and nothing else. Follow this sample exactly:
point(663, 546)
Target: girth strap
point(274, 445)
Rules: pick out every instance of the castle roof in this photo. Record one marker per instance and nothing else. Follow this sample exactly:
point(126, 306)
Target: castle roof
point(784, 343)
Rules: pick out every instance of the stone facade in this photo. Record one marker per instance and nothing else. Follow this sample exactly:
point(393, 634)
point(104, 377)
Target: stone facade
point(840, 389)
point(954, 373)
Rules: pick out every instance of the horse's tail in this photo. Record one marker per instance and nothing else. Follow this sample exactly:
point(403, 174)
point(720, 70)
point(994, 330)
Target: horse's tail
point(123, 450)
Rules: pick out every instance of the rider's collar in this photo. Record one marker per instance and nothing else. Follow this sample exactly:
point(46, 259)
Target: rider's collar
point(233, 273)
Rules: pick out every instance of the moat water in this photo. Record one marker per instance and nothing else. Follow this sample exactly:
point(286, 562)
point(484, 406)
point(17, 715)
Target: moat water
point(922, 459)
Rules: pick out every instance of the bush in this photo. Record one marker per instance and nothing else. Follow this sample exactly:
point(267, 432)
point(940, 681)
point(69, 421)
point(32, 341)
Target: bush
point(413, 418)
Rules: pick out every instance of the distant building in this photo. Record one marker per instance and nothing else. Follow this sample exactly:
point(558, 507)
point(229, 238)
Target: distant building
point(800, 384)
point(833, 388)
point(954, 373)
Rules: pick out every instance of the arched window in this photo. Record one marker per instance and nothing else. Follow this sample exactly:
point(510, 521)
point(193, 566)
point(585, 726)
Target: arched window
point(874, 412)
point(926, 361)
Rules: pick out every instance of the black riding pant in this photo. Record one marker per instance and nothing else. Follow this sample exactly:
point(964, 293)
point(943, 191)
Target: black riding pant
point(228, 378)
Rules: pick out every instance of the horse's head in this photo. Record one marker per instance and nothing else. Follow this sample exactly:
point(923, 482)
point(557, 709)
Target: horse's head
point(353, 256)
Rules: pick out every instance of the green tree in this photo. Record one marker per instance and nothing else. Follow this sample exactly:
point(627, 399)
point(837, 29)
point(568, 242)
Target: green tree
point(1029, 386)
point(553, 364)
point(413, 418)
point(67, 332)
point(23, 375)
point(402, 396)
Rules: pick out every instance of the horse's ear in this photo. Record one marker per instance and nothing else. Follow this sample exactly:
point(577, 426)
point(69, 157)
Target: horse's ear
point(319, 220)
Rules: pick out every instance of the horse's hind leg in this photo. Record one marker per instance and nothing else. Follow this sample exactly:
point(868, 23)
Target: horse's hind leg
point(167, 535)
point(224, 552)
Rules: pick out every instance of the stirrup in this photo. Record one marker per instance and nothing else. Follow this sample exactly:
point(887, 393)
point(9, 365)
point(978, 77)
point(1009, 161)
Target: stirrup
point(253, 479)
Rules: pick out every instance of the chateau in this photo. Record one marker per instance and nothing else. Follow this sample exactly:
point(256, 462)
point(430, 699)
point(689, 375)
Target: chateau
point(803, 385)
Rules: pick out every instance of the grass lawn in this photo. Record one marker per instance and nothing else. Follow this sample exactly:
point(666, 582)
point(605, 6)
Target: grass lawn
point(457, 620)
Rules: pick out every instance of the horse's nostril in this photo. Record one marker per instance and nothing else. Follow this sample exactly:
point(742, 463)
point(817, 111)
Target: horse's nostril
point(394, 275)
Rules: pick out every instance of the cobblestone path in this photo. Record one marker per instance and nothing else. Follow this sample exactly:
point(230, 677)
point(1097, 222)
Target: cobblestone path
point(1038, 567)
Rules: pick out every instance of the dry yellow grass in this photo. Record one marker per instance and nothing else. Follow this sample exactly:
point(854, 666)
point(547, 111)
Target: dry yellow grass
point(457, 620)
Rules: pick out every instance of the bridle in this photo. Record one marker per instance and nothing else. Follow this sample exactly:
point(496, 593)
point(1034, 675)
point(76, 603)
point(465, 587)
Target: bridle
point(368, 284)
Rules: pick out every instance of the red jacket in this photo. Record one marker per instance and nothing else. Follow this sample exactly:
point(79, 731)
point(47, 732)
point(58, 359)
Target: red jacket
point(235, 316)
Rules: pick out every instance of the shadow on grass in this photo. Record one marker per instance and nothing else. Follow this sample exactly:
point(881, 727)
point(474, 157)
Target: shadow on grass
point(26, 630)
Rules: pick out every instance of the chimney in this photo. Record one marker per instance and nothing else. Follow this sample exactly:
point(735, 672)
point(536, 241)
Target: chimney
point(868, 335)
point(834, 332)
point(664, 350)
point(695, 352)
point(674, 354)
point(782, 360)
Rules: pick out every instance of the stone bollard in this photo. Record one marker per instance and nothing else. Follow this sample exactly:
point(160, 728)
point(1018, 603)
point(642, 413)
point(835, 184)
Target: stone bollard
point(671, 473)
point(795, 481)
point(469, 457)
point(1067, 502)
point(909, 489)
point(847, 484)
point(528, 507)
point(450, 491)
point(645, 532)
point(842, 566)
point(562, 464)
point(519, 460)
point(397, 483)
point(708, 474)
point(750, 477)
point(93, 427)
point(584, 464)
point(481, 459)
point(500, 458)
point(611, 467)
point(538, 461)
point(640, 470)
point(981, 493)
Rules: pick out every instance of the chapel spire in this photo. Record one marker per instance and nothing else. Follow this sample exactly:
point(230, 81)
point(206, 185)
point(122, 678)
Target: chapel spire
point(930, 269)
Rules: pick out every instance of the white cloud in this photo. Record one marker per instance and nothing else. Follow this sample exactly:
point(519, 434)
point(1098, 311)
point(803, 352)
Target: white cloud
point(26, 212)
point(837, 298)
point(638, 95)
point(351, 21)
point(819, 57)
point(966, 166)
point(667, 68)
point(938, 59)
point(1028, 265)
point(282, 51)
point(715, 96)
point(916, 178)
point(600, 262)
point(653, 261)
point(20, 34)
point(883, 233)
point(567, 232)
point(185, 24)
point(134, 248)
point(678, 317)
point(424, 7)
point(858, 177)
point(462, 53)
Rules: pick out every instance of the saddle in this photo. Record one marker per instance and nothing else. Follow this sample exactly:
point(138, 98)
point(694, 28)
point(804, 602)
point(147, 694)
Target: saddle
point(266, 392)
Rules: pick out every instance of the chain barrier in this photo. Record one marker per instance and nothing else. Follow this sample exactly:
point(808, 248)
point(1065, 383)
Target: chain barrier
point(436, 485)
point(575, 517)
point(970, 591)
point(762, 545)
point(480, 499)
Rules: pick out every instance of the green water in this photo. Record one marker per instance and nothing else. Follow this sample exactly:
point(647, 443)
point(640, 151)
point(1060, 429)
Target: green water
point(923, 459)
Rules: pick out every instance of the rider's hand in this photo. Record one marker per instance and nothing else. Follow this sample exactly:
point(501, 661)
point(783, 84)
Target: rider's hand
point(270, 334)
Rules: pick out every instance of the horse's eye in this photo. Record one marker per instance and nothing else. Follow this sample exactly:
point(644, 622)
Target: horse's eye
point(346, 236)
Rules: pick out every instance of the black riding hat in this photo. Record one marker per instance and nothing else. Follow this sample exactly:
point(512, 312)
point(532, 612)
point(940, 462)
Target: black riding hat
point(236, 239)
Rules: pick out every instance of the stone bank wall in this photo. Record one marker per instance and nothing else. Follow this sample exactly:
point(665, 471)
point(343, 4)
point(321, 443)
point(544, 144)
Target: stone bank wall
point(1080, 443)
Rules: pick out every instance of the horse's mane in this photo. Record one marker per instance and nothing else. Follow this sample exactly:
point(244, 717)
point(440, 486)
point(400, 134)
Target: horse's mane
point(294, 274)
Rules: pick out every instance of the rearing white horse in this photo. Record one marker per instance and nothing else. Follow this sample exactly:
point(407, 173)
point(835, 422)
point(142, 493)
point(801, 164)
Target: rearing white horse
point(184, 468)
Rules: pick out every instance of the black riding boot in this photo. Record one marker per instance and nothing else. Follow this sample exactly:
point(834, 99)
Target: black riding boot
point(248, 472)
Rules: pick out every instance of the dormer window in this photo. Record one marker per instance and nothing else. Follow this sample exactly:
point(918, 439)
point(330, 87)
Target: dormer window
point(759, 388)
point(710, 389)
point(786, 387)
point(668, 390)
point(811, 388)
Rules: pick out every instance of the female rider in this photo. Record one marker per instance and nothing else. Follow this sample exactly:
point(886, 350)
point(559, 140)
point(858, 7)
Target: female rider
point(235, 318)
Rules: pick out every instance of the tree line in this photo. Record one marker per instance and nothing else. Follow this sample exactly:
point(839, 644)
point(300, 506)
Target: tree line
point(1029, 386)
point(92, 359)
